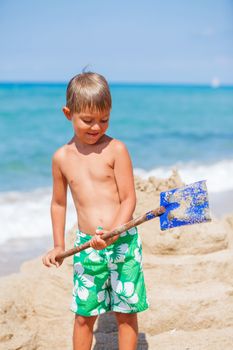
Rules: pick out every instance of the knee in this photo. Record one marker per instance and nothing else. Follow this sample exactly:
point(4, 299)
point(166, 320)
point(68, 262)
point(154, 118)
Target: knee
point(130, 319)
point(82, 321)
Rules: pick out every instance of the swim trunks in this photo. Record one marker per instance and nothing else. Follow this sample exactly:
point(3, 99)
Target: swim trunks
point(110, 279)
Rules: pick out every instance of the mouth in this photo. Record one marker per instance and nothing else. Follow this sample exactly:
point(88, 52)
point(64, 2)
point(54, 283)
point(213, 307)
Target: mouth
point(93, 134)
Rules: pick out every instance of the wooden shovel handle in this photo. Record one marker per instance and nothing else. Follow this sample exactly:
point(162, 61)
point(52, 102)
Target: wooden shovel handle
point(135, 222)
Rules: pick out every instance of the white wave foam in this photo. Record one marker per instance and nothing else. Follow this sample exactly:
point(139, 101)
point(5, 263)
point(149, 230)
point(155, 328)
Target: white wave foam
point(27, 214)
point(219, 175)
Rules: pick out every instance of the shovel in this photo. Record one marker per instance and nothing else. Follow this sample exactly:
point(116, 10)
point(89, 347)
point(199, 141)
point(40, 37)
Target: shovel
point(180, 206)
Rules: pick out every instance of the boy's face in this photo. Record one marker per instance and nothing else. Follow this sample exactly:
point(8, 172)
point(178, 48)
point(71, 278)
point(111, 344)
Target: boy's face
point(88, 126)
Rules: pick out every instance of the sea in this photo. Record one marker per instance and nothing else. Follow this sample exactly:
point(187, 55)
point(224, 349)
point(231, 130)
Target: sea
point(165, 127)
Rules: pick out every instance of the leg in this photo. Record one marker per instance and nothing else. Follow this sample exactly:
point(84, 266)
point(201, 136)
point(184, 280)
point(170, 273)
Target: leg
point(83, 332)
point(127, 330)
point(86, 298)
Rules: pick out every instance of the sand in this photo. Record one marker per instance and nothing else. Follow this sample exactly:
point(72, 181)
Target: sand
point(189, 278)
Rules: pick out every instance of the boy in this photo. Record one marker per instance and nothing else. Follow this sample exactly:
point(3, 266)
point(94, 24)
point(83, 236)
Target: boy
point(108, 276)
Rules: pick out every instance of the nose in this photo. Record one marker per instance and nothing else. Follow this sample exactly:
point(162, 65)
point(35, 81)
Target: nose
point(95, 127)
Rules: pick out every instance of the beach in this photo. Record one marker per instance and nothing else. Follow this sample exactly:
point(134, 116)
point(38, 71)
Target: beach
point(169, 71)
point(188, 274)
point(15, 251)
point(176, 135)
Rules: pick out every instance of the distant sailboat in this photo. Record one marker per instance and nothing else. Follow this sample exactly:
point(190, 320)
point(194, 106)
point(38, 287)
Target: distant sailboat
point(215, 83)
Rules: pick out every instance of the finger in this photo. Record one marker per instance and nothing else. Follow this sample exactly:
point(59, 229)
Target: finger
point(92, 243)
point(44, 259)
point(99, 230)
point(101, 242)
point(54, 262)
point(45, 262)
point(99, 247)
point(59, 262)
point(101, 233)
point(48, 262)
point(97, 243)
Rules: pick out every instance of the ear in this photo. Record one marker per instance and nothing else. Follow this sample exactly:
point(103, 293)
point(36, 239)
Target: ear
point(67, 113)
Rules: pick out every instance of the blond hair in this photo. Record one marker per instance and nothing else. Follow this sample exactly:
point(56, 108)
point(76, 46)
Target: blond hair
point(88, 92)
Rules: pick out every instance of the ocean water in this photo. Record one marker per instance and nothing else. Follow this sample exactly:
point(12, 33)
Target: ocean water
point(189, 128)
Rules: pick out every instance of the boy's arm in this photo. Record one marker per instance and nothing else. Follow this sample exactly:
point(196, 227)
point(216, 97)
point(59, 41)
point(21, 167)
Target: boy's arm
point(58, 203)
point(123, 171)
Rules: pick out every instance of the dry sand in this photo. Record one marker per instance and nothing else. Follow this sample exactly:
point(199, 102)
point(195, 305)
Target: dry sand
point(189, 277)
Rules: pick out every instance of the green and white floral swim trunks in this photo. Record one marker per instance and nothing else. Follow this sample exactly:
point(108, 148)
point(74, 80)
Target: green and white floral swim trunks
point(110, 279)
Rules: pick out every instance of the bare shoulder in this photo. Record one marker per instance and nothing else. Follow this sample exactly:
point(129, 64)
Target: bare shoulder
point(118, 145)
point(59, 155)
point(119, 148)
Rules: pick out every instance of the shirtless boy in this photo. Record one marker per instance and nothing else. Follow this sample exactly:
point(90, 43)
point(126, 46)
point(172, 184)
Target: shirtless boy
point(98, 170)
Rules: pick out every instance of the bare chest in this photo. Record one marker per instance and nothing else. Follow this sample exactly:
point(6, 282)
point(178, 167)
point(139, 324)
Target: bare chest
point(88, 170)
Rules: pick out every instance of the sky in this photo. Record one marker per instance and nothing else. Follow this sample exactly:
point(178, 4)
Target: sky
point(169, 41)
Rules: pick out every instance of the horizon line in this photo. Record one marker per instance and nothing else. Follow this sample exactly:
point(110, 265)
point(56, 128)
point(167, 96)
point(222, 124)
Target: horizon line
point(121, 83)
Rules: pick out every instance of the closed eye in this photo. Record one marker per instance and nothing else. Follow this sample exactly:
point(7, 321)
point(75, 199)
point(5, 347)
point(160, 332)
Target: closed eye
point(89, 121)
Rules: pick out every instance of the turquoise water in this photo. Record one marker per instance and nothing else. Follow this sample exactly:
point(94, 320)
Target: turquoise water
point(190, 127)
point(161, 125)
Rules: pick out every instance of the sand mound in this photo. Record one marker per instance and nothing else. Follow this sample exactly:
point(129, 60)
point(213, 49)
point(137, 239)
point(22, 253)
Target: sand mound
point(189, 277)
point(195, 239)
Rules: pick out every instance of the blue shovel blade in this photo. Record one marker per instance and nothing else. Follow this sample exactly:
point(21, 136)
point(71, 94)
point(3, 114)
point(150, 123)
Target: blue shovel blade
point(185, 206)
